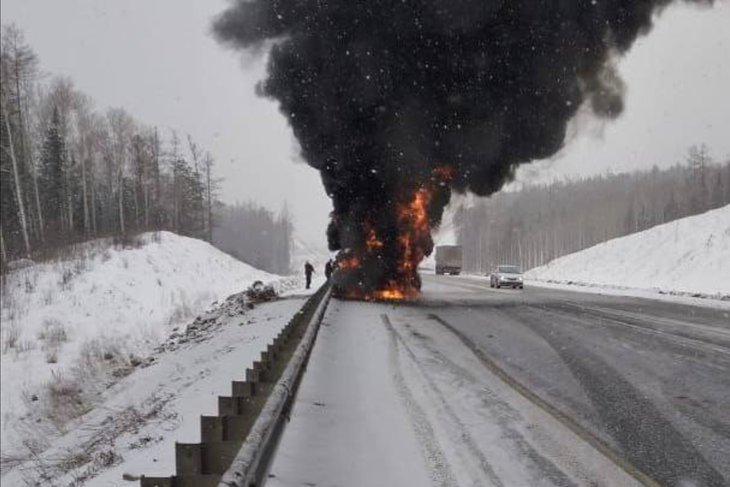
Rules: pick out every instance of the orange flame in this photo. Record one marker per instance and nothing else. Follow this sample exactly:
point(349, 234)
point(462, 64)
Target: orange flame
point(414, 228)
point(443, 174)
point(413, 242)
point(394, 292)
point(373, 243)
point(351, 262)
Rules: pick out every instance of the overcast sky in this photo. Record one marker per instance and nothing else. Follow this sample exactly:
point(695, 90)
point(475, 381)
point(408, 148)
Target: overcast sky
point(156, 59)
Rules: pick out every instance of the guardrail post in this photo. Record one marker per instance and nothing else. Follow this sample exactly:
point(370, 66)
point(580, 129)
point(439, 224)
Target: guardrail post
point(188, 459)
point(263, 370)
point(204, 464)
point(228, 406)
point(243, 388)
point(157, 481)
point(250, 465)
point(212, 428)
point(252, 375)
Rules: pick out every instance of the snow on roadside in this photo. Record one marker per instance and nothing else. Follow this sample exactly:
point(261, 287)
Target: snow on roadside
point(105, 304)
point(687, 257)
point(133, 431)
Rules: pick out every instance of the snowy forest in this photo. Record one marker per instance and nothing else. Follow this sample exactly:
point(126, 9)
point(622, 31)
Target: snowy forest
point(532, 226)
point(255, 235)
point(70, 173)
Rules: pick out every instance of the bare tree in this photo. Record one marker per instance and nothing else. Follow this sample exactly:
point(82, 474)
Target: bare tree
point(70, 173)
point(121, 128)
point(209, 188)
point(19, 73)
point(84, 148)
point(197, 161)
point(10, 150)
point(3, 252)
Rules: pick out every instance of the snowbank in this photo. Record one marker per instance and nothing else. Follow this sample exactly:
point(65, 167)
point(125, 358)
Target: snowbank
point(303, 252)
point(133, 429)
point(690, 256)
point(117, 302)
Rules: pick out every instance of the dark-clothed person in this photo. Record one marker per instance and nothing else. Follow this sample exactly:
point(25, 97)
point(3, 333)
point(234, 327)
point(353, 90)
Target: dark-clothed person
point(328, 268)
point(308, 270)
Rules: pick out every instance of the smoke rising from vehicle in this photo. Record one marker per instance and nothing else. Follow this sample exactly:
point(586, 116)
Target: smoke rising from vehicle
point(392, 98)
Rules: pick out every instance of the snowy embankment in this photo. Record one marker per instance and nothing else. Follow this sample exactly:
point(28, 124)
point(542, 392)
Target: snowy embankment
point(687, 257)
point(307, 252)
point(133, 428)
point(91, 318)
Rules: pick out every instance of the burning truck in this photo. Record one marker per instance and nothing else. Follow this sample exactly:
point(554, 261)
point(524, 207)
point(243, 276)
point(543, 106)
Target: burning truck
point(399, 103)
point(384, 266)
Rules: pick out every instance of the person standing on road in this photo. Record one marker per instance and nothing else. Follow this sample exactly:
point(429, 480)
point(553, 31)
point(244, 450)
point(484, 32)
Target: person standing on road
point(328, 268)
point(308, 269)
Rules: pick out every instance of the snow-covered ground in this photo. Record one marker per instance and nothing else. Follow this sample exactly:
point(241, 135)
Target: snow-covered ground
point(133, 430)
point(86, 321)
point(687, 257)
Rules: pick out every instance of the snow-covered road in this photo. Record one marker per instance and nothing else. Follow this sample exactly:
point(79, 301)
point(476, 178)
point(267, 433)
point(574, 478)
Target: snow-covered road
point(427, 394)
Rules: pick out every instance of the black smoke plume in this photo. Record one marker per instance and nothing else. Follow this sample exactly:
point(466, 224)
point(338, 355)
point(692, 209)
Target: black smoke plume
point(390, 96)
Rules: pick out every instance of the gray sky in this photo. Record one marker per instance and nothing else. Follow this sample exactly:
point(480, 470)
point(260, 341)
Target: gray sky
point(677, 95)
point(156, 59)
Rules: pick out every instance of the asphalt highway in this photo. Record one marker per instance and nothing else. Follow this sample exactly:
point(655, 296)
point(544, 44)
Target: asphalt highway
point(500, 387)
point(648, 379)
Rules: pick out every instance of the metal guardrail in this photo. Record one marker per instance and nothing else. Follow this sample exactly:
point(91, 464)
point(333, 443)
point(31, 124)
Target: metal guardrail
point(251, 465)
point(238, 444)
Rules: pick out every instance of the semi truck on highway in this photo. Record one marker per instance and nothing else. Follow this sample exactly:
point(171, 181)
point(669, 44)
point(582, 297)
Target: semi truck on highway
point(448, 259)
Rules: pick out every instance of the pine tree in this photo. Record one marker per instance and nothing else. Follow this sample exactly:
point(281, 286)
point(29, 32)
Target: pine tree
point(671, 209)
point(283, 244)
point(52, 174)
point(77, 173)
point(717, 196)
point(698, 160)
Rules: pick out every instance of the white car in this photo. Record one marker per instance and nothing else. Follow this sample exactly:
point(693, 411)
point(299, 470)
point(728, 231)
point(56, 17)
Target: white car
point(506, 275)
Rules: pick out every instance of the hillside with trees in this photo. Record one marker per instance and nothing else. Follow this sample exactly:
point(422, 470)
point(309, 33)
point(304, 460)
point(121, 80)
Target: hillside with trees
point(70, 173)
point(539, 223)
point(255, 235)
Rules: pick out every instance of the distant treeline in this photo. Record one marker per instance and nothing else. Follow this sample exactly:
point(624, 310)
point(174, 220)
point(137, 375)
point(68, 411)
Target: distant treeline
point(539, 223)
point(255, 235)
point(70, 173)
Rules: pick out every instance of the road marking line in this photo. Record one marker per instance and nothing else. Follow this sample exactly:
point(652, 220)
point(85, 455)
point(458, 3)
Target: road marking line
point(556, 413)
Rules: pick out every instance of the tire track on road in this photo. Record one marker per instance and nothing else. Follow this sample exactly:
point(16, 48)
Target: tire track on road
point(556, 413)
point(441, 474)
point(613, 319)
point(464, 435)
point(546, 468)
point(631, 419)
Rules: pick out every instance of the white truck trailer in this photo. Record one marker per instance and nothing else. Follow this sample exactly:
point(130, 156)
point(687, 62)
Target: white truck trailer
point(448, 259)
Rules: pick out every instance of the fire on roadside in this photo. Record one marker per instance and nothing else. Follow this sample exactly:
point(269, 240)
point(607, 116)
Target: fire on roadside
point(411, 245)
point(373, 243)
